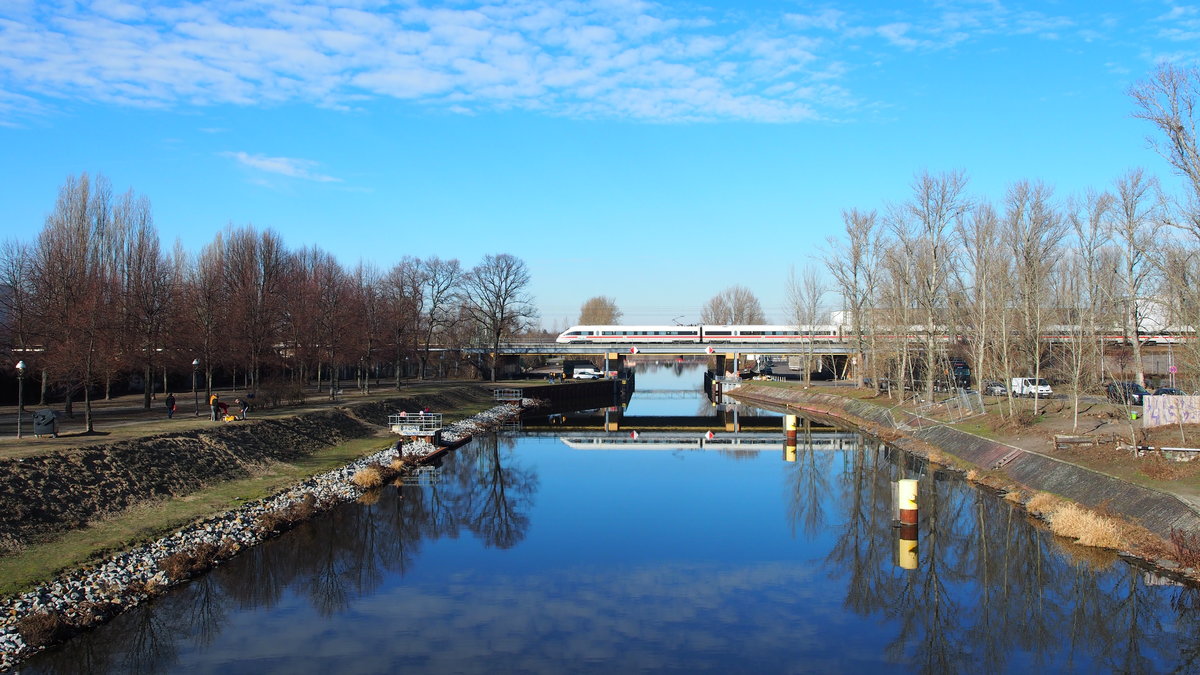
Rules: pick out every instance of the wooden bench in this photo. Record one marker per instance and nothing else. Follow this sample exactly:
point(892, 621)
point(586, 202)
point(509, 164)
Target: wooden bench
point(1063, 442)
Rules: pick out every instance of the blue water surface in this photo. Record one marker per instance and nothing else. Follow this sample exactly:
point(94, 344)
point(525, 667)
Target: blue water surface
point(525, 555)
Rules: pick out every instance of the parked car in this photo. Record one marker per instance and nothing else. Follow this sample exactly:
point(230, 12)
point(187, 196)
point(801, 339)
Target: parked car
point(1169, 391)
point(994, 388)
point(588, 374)
point(1031, 386)
point(1126, 393)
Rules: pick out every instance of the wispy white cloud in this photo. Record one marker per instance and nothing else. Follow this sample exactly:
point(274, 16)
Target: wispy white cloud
point(283, 166)
point(611, 58)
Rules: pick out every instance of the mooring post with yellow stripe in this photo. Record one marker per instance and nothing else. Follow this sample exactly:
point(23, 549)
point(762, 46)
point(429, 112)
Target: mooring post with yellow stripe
point(907, 552)
point(906, 501)
point(906, 504)
point(789, 443)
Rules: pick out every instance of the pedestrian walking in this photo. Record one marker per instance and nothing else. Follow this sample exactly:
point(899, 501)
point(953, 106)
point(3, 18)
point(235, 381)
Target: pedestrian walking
point(170, 405)
point(213, 403)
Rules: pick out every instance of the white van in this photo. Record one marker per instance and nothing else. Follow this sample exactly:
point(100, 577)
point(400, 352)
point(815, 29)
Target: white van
point(1030, 386)
point(587, 373)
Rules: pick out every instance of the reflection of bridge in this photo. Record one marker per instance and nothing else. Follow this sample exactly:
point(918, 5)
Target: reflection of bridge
point(613, 420)
point(752, 441)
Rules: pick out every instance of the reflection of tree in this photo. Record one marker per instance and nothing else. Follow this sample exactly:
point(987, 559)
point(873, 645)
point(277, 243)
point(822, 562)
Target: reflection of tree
point(153, 643)
point(1024, 596)
point(207, 610)
point(498, 507)
point(808, 483)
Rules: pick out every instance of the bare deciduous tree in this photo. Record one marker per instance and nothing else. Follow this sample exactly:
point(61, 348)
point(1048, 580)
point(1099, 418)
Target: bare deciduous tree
point(600, 310)
point(734, 305)
point(1169, 100)
point(804, 305)
point(853, 265)
point(1135, 230)
point(1034, 231)
point(440, 285)
point(497, 299)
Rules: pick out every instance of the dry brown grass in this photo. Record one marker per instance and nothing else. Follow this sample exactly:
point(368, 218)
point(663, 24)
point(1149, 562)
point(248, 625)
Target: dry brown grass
point(278, 521)
point(1044, 504)
point(370, 496)
point(973, 476)
point(368, 477)
point(43, 628)
point(1086, 527)
point(400, 464)
point(1158, 467)
point(184, 564)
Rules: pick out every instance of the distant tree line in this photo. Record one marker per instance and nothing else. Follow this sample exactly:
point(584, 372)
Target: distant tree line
point(96, 300)
point(1032, 285)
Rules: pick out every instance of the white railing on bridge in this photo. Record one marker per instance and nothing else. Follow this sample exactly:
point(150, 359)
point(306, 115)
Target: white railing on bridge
point(506, 394)
point(415, 424)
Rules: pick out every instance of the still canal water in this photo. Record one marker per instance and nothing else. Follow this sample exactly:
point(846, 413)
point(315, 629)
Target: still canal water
point(524, 554)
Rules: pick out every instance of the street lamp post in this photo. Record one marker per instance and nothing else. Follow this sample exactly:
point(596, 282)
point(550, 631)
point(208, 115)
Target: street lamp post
point(195, 400)
point(20, 395)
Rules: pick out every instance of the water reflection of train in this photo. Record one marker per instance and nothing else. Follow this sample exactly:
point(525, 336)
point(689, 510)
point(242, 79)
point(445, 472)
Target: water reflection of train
point(835, 440)
point(766, 333)
point(820, 333)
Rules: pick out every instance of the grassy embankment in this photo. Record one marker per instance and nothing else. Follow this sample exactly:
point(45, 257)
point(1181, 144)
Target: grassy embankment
point(40, 562)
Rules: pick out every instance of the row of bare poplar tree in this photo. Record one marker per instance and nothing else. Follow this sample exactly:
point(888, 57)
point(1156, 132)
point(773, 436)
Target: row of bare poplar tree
point(1033, 286)
point(96, 298)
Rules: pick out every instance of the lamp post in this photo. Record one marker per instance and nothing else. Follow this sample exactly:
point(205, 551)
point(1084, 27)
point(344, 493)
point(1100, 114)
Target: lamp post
point(195, 400)
point(20, 395)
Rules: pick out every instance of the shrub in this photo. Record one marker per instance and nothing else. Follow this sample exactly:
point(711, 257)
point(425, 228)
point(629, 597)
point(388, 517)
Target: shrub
point(1187, 548)
point(184, 564)
point(274, 393)
point(282, 519)
point(42, 628)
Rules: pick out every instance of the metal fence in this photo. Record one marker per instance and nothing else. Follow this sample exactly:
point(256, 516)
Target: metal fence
point(415, 424)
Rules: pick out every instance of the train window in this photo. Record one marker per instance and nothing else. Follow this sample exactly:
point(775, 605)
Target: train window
point(718, 332)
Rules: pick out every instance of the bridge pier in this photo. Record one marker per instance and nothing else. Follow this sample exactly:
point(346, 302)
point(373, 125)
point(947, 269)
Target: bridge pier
point(723, 364)
point(614, 362)
point(508, 366)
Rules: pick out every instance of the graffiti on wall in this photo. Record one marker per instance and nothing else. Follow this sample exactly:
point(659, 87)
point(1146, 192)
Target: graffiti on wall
point(1163, 410)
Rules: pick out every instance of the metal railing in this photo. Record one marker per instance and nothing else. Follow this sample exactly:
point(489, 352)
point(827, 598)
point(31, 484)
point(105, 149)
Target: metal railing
point(415, 424)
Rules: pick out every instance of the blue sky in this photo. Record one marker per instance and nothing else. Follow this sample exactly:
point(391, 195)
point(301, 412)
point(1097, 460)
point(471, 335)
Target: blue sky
point(653, 152)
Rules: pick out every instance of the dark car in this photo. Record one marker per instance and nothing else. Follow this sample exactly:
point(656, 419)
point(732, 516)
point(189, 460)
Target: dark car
point(1168, 391)
point(1126, 393)
point(994, 388)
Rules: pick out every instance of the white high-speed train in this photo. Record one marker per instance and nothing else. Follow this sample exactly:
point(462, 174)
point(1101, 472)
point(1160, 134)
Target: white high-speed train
point(818, 333)
point(656, 334)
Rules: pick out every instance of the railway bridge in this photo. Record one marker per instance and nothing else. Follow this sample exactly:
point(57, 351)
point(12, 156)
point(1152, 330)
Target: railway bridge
point(724, 356)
